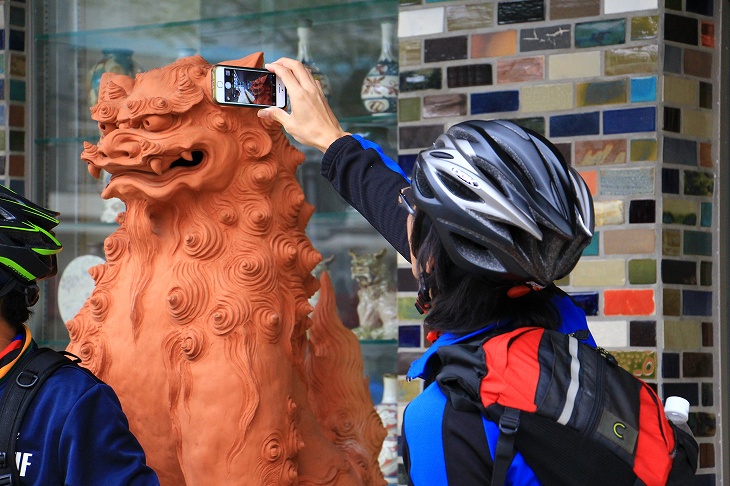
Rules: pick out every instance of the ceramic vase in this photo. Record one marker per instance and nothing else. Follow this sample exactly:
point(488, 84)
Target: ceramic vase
point(118, 61)
point(388, 411)
point(379, 90)
point(304, 33)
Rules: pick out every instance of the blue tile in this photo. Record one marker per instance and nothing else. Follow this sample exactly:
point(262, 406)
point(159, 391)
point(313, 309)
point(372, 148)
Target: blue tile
point(588, 301)
point(631, 120)
point(16, 40)
point(697, 243)
point(18, 187)
point(575, 124)
point(688, 391)
point(696, 303)
point(495, 102)
point(3, 120)
point(673, 59)
point(706, 215)
point(601, 33)
point(678, 151)
point(409, 336)
point(702, 7)
point(670, 365)
point(592, 248)
point(407, 162)
point(643, 89)
point(17, 90)
point(670, 181)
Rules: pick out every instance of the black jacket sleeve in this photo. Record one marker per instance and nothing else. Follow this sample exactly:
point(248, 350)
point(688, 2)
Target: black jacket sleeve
point(367, 184)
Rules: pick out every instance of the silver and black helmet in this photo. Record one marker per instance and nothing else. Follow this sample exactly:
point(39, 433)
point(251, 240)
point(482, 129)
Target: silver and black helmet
point(504, 202)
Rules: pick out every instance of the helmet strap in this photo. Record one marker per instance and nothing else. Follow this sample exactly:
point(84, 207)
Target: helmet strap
point(423, 302)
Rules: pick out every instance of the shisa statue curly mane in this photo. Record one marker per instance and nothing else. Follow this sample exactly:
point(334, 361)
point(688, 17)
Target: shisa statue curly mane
point(200, 316)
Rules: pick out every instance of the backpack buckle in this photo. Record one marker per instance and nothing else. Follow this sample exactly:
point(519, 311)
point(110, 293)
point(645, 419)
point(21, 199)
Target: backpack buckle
point(509, 422)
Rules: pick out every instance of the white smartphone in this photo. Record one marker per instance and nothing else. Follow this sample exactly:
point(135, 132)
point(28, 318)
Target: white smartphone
point(239, 86)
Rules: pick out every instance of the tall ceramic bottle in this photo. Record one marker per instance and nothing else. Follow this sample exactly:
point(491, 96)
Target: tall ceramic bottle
point(388, 411)
point(304, 33)
point(379, 90)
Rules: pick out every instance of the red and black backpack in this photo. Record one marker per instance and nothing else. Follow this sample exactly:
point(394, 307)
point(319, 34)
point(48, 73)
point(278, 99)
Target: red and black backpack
point(575, 416)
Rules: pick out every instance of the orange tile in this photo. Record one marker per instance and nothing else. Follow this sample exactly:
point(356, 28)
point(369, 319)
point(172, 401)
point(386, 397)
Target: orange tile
point(638, 302)
point(591, 178)
point(494, 44)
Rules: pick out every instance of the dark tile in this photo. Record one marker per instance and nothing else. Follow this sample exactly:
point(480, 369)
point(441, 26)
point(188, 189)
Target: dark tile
point(541, 38)
point(534, 123)
point(697, 365)
point(688, 391)
point(406, 163)
point(445, 49)
point(588, 301)
point(705, 95)
point(420, 79)
point(697, 243)
point(404, 361)
point(702, 7)
point(18, 187)
point(696, 303)
point(520, 11)
point(16, 40)
point(2, 38)
point(630, 120)
point(703, 425)
point(698, 183)
point(681, 29)
point(673, 59)
point(470, 75)
point(706, 274)
point(17, 16)
point(697, 63)
point(565, 150)
point(406, 281)
point(575, 124)
point(670, 181)
point(409, 336)
point(673, 4)
point(418, 137)
point(600, 33)
point(672, 119)
point(708, 398)
point(642, 333)
point(670, 365)
point(571, 9)
point(683, 272)
point(678, 151)
point(642, 211)
point(707, 334)
point(495, 102)
point(707, 456)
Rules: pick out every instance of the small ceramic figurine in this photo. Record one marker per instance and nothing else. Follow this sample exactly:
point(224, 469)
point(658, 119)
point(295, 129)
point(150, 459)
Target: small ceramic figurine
point(376, 308)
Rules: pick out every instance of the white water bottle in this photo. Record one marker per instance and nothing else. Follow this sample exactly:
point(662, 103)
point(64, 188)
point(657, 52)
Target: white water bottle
point(677, 411)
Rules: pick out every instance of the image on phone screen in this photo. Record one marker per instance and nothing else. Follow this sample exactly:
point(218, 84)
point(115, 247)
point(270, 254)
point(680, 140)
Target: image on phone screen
point(249, 87)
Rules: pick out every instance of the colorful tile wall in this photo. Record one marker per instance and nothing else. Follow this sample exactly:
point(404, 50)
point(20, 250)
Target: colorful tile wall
point(642, 131)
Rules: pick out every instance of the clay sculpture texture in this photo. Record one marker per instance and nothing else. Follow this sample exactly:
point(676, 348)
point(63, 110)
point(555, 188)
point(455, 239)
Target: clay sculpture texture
point(200, 318)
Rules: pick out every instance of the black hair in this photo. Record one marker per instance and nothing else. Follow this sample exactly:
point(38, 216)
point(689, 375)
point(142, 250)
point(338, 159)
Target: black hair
point(463, 302)
point(14, 310)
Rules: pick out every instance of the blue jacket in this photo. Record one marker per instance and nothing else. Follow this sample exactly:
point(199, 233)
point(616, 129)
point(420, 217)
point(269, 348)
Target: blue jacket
point(75, 433)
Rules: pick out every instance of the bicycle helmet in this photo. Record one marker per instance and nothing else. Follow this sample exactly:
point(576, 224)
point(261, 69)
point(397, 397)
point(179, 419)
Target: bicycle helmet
point(28, 247)
point(504, 202)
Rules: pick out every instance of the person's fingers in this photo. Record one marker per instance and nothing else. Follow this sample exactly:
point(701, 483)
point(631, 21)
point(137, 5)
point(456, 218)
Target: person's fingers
point(273, 113)
point(302, 74)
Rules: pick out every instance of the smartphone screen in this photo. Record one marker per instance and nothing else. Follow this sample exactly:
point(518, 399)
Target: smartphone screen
point(248, 87)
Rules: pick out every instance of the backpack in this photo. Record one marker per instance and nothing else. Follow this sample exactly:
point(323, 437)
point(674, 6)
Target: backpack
point(24, 381)
point(575, 416)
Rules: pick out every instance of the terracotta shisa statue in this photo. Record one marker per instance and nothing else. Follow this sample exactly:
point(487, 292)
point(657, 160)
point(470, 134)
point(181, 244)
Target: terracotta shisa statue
point(200, 318)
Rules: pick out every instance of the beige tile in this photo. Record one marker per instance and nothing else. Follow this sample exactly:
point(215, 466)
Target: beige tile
point(574, 65)
point(671, 242)
point(680, 91)
point(682, 335)
point(609, 212)
point(599, 152)
point(549, 97)
point(631, 60)
point(470, 17)
point(409, 52)
point(610, 334)
point(599, 273)
point(698, 123)
point(629, 242)
point(425, 21)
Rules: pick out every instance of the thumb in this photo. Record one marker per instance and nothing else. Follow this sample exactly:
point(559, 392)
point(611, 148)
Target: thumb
point(272, 113)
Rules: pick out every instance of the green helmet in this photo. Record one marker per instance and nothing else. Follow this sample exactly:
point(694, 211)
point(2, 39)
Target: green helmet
point(28, 247)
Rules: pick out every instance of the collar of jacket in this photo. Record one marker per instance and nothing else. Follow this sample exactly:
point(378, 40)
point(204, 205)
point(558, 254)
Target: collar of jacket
point(17, 354)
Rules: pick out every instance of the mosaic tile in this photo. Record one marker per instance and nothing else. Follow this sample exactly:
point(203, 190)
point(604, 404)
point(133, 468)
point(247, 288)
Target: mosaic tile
point(17, 64)
point(600, 33)
point(409, 336)
point(17, 90)
point(3, 121)
point(424, 21)
point(608, 212)
point(610, 334)
point(2, 37)
point(2, 63)
point(16, 166)
point(642, 211)
point(548, 97)
point(678, 28)
point(16, 116)
point(575, 124)
point(706, 159)
point(408, 3)
point(703, 424)
point(707, 401)
point(642, 271)
point(707, 34)
point(17, 16)
point(574, 65)
point(520, 70)
point(682, 272)
point(698, 243)
point(670, 181)
point(444, 105)
point(420, 79)
point(644, 27)
point(17, 141)
point(707, 334)
point(702, 7)
point(625, 182)
point(631, 60)
point(409, 109)
point(469, 17)
point(672, 119)
point(642, 333)
point(643, 89)
point(598, 273)
point(601, 93)
point(544, 38)
point(566, 150)
point(678, 151)
point(406, 282)
point(445, 49)
point(706, 274)
point(671, 298)
point(641, 364)
point(405, 358)
point(2, 140)
point(418, 137)
point(629, 120)
point(590, 177)
point(698, 183)
point(469, 75)
point(407, 161)
point(18, 187)
point(520, 11)
point(680, 91)
point(697, 63)
point(705, 95)
point(409, 52)
point(495, 44)
point(696, 303)
point(16, 40)
point(620, 6)
point(706, 215)
point(643, 150)
point(688, 391)
point(629, 241)
point(408, 390)
point(672, 59)
point(570, 9)
point(670, 365)
point(679, 211)
point(671, 242)
point(697, 365)
point(588, 301)
point(495, 102)
point(600, 152)
point(623, 302)
point(697, 123)
point(707, 450)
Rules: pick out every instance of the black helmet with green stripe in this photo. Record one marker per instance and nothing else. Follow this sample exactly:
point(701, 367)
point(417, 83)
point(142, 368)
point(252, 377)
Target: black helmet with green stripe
point(28, 247)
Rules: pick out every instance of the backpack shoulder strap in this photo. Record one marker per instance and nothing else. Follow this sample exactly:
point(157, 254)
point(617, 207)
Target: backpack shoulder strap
point(24, 381)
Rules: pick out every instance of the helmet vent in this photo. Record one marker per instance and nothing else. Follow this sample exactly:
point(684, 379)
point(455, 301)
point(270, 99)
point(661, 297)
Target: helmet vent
point(422, 184)
point(457, 188)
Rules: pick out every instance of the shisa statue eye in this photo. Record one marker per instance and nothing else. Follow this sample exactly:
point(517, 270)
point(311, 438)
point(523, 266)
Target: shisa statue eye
point(156, 123)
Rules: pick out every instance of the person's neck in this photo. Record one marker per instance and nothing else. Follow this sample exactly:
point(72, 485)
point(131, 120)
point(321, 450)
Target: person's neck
point(7, 333)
